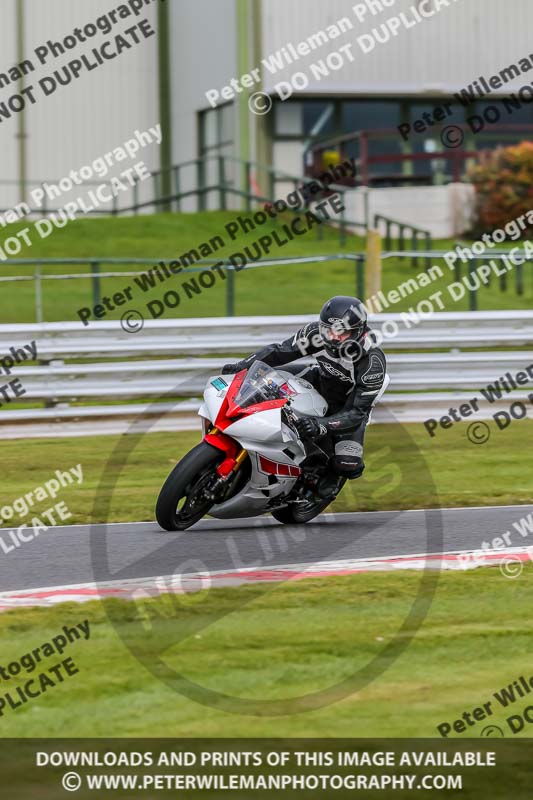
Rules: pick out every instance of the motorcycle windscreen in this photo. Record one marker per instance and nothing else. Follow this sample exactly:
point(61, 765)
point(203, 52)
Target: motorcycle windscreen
point(260, 384)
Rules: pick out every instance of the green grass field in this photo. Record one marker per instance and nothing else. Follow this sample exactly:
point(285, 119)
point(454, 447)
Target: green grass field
point(277, 642)
point(296, 289)
point(405, 469)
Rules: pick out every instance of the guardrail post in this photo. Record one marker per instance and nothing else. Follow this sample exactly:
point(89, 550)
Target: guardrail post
point(472, 293)
point(401, 231)
point(38, 294)
point(414, 244)
point(503, 282)
point(95, 269)
point(230, 293)
point(428, 248)
point(373, 263)
point(388, 239)
point(520, 279)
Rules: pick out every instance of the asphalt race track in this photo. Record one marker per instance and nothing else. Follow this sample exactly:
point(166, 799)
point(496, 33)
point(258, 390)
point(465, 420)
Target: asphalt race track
point(81, 554)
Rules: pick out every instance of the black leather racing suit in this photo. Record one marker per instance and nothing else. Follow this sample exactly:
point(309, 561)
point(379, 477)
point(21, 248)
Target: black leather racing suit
point(349, 383)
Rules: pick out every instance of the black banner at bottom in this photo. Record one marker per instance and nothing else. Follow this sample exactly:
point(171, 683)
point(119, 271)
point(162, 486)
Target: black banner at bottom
point(250, 768)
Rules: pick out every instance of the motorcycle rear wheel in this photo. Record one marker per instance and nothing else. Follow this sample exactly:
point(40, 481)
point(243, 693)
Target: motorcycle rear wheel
point(300, 513)
point(184, 485)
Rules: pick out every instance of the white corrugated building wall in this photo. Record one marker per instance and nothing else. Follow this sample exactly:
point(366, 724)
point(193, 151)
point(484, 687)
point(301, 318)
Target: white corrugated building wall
point(104, 107)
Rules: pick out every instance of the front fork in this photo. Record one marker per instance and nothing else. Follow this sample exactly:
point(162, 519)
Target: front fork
point(235, 456)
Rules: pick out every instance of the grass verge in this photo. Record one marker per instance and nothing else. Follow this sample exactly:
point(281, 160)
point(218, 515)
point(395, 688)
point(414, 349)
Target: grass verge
point(406, 468)
point(283, 289)
point(277, 642)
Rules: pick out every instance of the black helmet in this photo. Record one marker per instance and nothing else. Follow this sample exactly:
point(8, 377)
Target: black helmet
point(343, 322)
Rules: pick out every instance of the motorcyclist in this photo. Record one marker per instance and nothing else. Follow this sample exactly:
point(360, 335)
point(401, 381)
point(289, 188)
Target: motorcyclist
point(350, 374)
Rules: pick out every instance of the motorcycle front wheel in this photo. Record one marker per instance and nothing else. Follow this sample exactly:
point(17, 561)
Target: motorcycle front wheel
point(181, 502)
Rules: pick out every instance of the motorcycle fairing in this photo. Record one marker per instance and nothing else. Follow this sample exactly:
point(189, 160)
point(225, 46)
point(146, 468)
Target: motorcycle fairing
point(273, 448)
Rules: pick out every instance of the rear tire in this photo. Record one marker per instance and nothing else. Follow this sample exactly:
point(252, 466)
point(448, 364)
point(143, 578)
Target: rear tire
point(299, 513)
point(198, 465)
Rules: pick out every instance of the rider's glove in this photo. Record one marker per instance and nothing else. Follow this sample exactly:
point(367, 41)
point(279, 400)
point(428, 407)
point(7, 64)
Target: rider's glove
point(231, 369)
point(309, 428)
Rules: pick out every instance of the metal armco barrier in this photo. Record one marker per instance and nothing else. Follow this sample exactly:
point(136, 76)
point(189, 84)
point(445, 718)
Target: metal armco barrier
point(187, 377)
point(206, 336)
point(174, 358)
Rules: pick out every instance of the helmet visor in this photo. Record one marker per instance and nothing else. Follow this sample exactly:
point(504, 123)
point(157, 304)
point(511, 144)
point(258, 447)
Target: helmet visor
point(338, 332)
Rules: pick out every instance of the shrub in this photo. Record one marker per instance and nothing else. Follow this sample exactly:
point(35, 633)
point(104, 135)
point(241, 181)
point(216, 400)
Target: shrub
point(504, 187)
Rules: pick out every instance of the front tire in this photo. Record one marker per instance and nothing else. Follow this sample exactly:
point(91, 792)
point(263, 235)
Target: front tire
point(180, 503)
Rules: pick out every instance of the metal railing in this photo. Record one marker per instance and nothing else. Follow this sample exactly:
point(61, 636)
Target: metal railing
point(186, 377)
point(201, 187)
point(516, 278)
point(470, 267)
point(414, 235)
point(96, 276)
point(103, 361)
point(182, 415)
point(191, 336)
point(362, 145)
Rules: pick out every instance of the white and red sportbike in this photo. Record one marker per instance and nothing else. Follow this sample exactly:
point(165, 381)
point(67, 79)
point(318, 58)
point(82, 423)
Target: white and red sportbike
point(251, 460)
